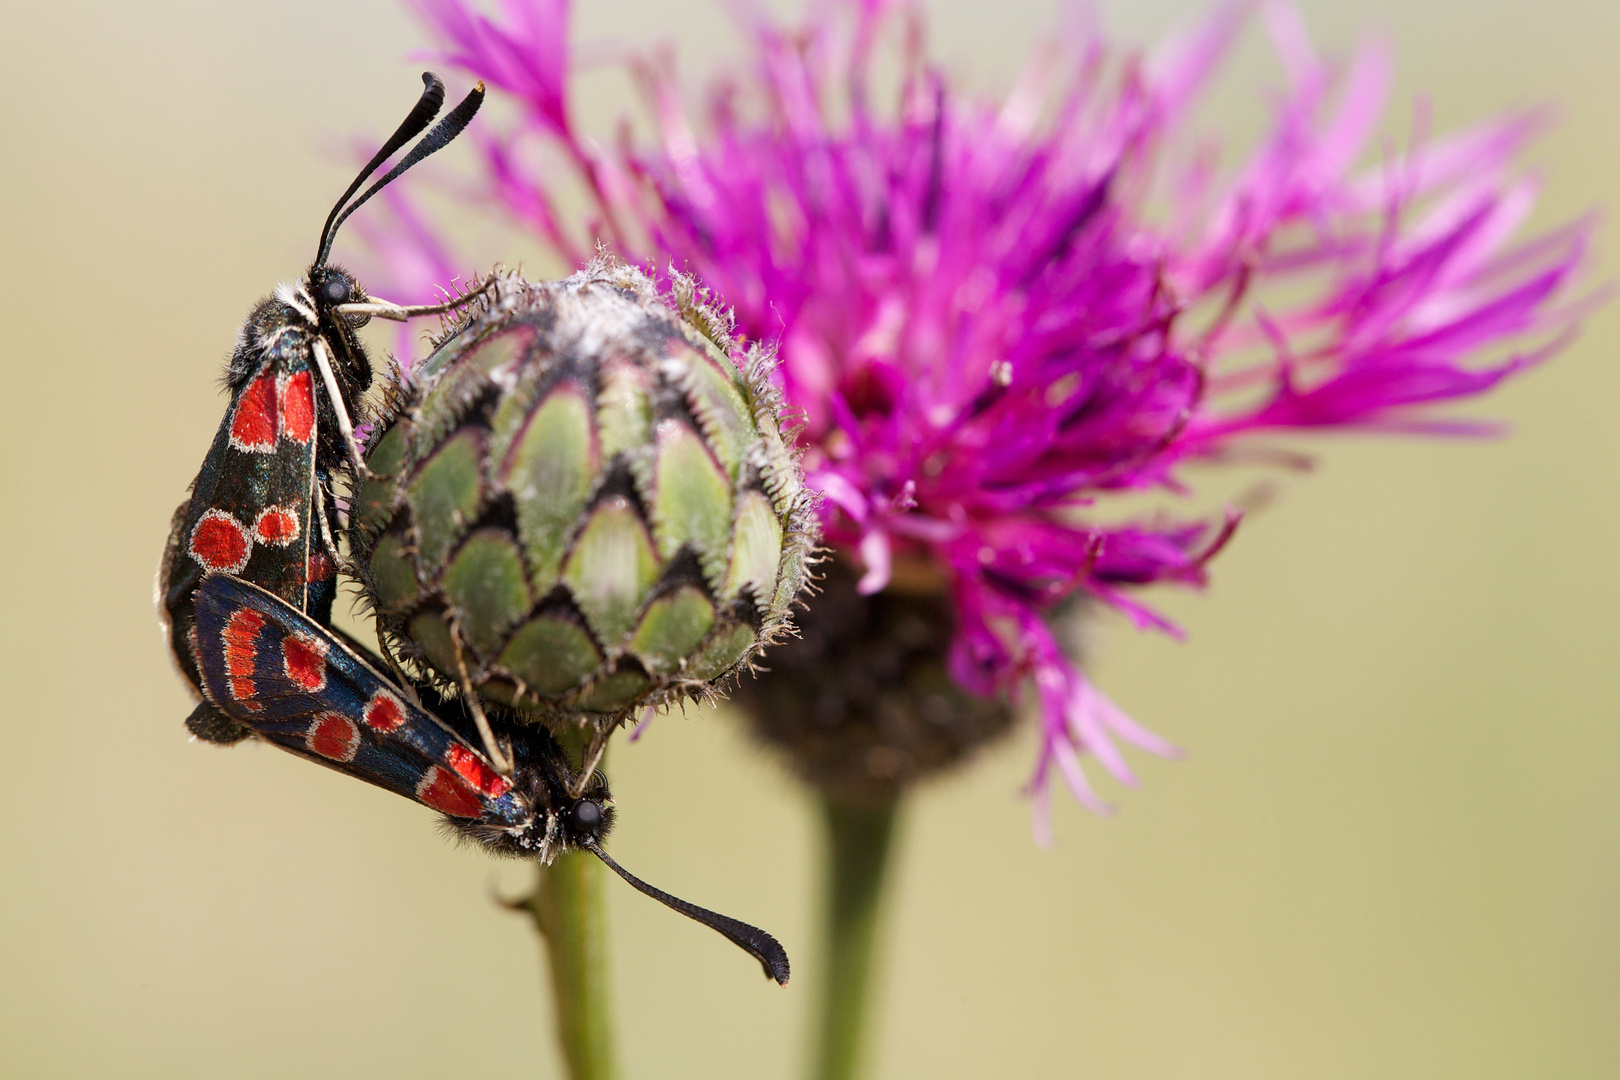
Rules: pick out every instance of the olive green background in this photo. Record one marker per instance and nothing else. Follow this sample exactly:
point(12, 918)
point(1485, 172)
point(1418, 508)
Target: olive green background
point(1394, 849)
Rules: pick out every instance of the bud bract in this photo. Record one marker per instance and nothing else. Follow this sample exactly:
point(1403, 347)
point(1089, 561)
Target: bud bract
point(582, 502)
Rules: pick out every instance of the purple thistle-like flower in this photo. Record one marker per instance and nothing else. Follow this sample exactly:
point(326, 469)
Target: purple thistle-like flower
point(995, 315)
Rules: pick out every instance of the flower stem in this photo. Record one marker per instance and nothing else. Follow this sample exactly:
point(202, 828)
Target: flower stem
point(569, 908)
point(858, 845)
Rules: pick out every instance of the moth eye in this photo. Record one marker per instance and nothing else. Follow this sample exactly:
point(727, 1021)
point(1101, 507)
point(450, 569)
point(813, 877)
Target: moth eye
point(587, 815)
point(336, 290)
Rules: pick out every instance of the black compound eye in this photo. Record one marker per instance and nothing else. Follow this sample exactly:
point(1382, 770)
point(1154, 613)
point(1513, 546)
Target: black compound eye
point(335, 290)
point(587, 815)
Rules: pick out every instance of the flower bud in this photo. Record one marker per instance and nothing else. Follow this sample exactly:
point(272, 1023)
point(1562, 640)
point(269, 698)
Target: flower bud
point(582, 504)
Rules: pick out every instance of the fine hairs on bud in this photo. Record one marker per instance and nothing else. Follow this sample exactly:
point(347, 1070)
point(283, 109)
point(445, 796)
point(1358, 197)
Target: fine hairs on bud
point(585, 503)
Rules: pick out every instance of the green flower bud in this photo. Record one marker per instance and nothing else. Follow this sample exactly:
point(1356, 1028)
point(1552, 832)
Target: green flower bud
point(582, 502)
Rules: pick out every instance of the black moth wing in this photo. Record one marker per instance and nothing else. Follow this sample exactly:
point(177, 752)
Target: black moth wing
point(295, 683)
point(254, 504)
point(298, 685)
point(255, 509)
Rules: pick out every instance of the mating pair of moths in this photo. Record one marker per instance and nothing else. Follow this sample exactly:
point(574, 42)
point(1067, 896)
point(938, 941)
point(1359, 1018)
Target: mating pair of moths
point(249, 575)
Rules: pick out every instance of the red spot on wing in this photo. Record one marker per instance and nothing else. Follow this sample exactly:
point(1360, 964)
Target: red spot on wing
point(240, 651)
point(448, 794)
point(384, 712)
point(333, 736)
point(476, 771)
point(219, 542)
point(298, 407)
point(253, 425)
point(304, 660)
point(276, 526)
point(319, 566)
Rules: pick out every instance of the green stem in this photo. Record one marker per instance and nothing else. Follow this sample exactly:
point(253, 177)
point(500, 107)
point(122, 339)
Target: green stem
point(570, 910)
point(858, 845)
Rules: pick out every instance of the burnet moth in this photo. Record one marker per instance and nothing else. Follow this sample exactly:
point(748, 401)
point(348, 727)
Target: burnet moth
point(261, 507)
point(249, 573)
point(299, 685)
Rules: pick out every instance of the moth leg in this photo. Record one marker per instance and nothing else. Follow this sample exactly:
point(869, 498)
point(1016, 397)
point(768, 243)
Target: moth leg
point(588, 764)
point(341, 561)
point(384, 309)
point(348, 565)
point(323, 360)
point(492, 747)
point(327, 540)
point(406, 683)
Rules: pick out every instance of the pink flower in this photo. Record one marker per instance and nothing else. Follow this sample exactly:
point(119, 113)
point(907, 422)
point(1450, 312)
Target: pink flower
point(994, 322)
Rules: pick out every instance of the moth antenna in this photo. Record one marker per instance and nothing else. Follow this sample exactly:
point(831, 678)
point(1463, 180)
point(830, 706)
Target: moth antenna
point(453, 124)
point(421, 114)
point(751, 939)
point(503, 764)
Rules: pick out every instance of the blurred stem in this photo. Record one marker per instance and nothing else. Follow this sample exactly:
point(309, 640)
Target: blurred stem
point(858, 846)
point(569, 908)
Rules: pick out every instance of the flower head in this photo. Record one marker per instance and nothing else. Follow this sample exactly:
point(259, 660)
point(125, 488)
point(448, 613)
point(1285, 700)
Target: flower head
point(995, 316)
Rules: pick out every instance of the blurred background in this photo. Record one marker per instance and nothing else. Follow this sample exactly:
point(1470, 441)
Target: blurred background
point(1394, 849)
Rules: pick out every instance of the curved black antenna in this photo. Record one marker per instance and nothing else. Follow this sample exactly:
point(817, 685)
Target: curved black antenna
point(751, 939)
point(448, 128)
point(421, 115)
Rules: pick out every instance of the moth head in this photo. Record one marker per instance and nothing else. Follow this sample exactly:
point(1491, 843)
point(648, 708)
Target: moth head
point(327, 287)
point(588, 819)
point(333, 285)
